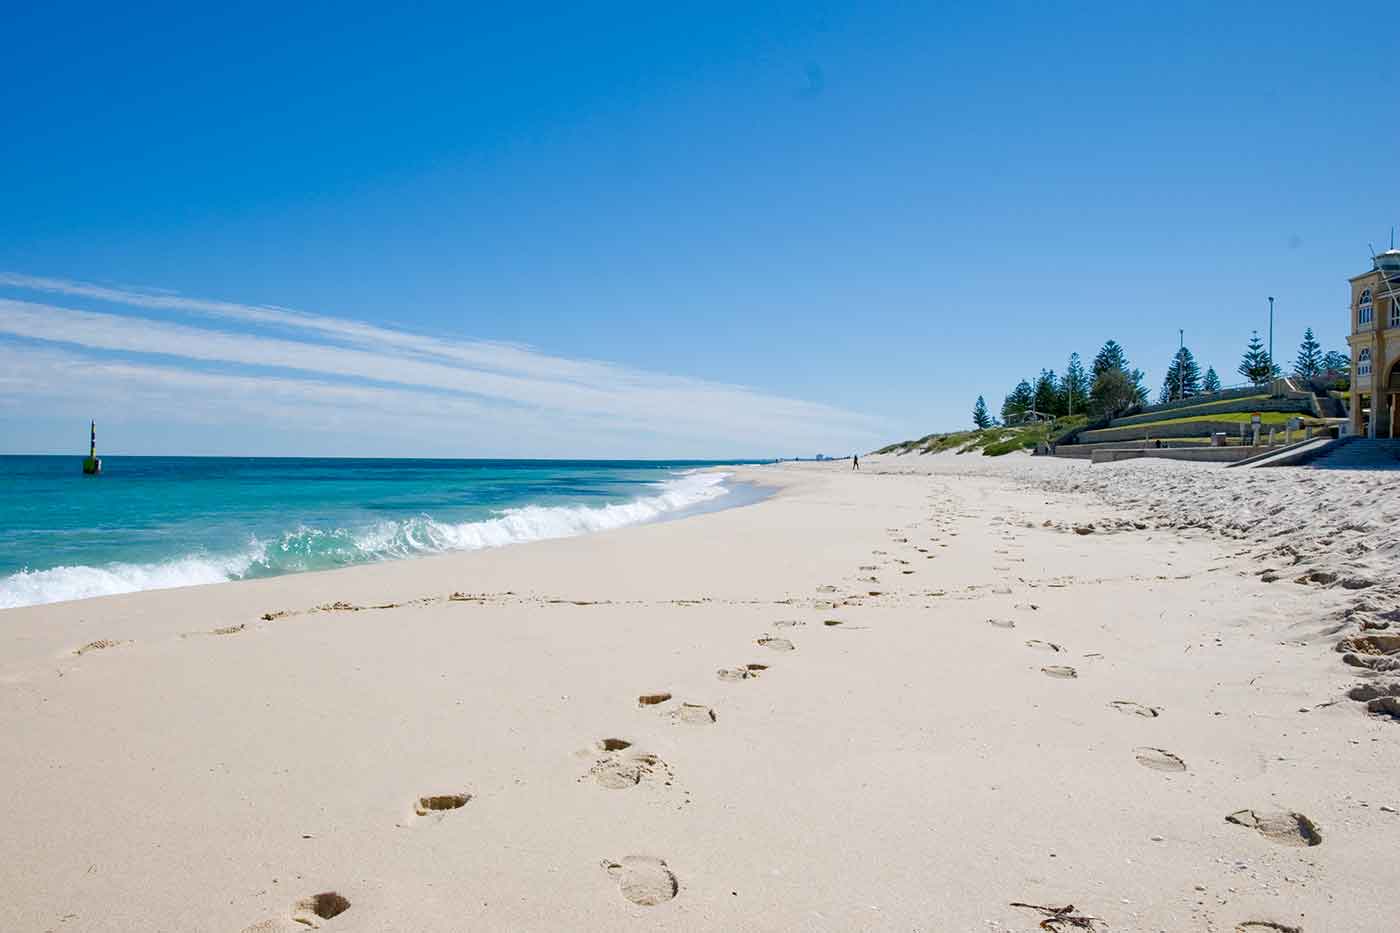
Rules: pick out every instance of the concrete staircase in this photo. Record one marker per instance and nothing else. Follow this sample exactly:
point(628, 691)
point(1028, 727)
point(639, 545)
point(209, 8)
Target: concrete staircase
point(1360, 453)
point(1331, 407)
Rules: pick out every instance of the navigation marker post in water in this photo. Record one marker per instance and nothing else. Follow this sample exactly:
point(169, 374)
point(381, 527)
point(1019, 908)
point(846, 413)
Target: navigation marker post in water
point(93, 464)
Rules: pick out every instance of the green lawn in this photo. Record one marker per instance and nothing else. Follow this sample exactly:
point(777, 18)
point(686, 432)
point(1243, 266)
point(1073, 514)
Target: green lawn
point(1225, 401)
point(1275, 419)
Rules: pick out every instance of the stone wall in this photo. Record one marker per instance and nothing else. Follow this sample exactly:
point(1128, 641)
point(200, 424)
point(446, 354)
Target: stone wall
point(1183, 429)
point(1303, 406)
point(1203, 455)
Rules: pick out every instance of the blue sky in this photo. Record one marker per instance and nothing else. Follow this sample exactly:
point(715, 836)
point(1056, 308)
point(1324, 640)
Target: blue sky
point(657, 230)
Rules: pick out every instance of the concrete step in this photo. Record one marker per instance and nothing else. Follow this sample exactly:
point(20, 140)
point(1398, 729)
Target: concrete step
point(1361, 453)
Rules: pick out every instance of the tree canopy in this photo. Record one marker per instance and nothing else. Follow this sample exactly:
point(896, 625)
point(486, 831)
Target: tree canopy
point(1309, 361)
point(1075, 386)
point(980, 416)
point(1336, 362)
point(1048, 398)
point(1110, 356)
point(1183, 378)
point(1114, 392)
point(1018, 402)
point(1255, 365)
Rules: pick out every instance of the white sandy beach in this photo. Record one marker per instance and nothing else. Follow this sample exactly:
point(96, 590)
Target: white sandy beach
point(1009, 711)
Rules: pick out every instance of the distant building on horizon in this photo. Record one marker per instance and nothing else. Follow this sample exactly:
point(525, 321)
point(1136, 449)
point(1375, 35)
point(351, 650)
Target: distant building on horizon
point(1374, 338)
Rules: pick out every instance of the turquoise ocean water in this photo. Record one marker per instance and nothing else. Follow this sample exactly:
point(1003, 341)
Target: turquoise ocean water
point(156, 522)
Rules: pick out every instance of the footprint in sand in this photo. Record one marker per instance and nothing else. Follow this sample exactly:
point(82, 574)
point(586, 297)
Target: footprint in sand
point(1281, 826)
point(621, 772)
point(831, 622)
point(612, 745)
point(697, 714)
point(1158, 759)
point(744, 672)
point(620, 766)
point(789, 623)
point(1062, 671)
point(318, 907)
point(441, 803)
point(1043, 645)
point(652, 699)
point(1002, 623)
point(100, 645)
point(1255, 926)
point(775, 643)
point(1135, 709)
point(643, 880)
point(226, 630)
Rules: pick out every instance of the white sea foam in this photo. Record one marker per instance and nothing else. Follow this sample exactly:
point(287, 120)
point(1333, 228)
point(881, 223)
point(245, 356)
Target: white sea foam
point(314, 549)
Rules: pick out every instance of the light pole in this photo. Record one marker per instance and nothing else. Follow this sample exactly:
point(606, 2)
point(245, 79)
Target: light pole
point(1271, 330)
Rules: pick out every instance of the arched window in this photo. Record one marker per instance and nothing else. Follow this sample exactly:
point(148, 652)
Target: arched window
point(1363, 362)
point(1363, 308)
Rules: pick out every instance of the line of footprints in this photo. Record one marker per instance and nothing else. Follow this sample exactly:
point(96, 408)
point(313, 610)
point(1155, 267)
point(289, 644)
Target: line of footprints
point(646, 880)
point(1283, 827)
point(1280, 826)
point(643, 880)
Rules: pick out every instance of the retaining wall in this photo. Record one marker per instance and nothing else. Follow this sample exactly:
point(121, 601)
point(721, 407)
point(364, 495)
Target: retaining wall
point(1186, 429)
point(1209, 397)
point(1203, 455)
point(1299, 405)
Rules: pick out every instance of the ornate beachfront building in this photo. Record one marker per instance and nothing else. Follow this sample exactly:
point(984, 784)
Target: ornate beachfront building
point(1375, 348)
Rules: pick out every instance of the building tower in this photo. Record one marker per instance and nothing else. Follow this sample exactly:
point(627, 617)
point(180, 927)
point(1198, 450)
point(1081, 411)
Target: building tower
point(1374, 339)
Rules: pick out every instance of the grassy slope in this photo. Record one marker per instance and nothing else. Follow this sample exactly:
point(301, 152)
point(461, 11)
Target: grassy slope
point(1184, 411)
point(993, 442)
point(1267, 418)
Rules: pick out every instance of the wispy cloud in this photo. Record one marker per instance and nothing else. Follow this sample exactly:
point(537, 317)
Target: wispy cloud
point(216, 350)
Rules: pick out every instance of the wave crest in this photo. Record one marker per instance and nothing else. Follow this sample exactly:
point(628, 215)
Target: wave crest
point(322, 549)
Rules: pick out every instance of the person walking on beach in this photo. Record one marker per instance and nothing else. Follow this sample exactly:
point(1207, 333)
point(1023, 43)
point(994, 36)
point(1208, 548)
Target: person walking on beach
point(855, 462)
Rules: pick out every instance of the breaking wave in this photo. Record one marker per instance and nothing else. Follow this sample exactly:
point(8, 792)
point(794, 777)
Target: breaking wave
point(306, 548)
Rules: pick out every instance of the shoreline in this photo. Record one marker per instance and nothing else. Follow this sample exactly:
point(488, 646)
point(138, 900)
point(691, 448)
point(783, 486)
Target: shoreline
point(922, 764)
point(166, 573)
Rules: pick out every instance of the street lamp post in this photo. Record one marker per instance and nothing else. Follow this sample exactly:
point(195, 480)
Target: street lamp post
point(1180, 367)
point(1271, 330)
